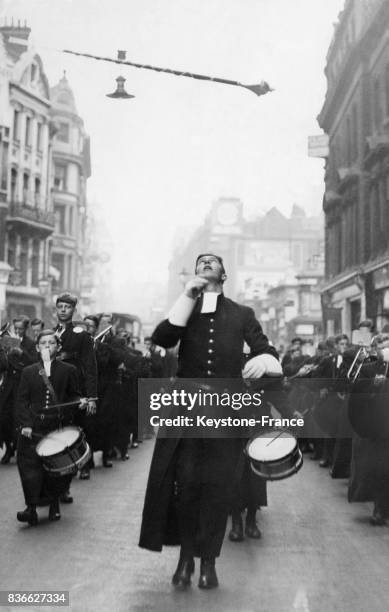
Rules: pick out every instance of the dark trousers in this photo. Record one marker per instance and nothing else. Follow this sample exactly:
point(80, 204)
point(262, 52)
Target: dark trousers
point(38, 485)
point(8, 394)
point(205, 472)
point(249, 489)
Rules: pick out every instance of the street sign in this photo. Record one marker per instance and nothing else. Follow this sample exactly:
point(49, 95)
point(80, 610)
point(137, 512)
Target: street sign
point(318, 146)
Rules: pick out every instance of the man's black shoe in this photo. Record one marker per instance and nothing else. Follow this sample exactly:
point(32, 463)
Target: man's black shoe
point(29, 515)
point(324, 463)
point(252, 530)
point(84, 474)
point(208, 578)
point(236, 533)
point(9, 453)
point(125, 457)
point(54, 511)
point(378, 517)
point(107, 463)
point(185, 568)
point(66, 498)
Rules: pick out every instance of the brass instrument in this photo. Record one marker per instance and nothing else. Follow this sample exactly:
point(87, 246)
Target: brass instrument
point(101, 335)
point(304, 370)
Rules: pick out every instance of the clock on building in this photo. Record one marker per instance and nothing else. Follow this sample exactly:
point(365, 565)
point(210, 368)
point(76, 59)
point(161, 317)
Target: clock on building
point(227, 213)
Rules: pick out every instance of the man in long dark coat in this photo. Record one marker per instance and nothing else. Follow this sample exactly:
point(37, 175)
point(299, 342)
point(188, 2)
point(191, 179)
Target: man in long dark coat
point(190, 482)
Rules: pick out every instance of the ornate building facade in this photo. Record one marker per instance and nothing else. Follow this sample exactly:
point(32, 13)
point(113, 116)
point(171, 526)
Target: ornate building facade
point(355, 115)
point(44, 167)
point(28, 221)
point(71, 169)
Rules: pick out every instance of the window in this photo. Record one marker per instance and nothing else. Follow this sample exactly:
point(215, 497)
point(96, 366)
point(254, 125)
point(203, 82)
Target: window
point(63, 132)
point(27, 139)
point(297, 254)
point(348, 141)
point(34, 73)
point(14, 181)
point(60, 226)
point(387, 90)
point(26, 184)
point(354, 132)
point(3, 165)
point(71, 218)
point(24, 260)
point(58, 261)
point(377, 104)
point(35, 263)
point(37, 191)
point(39, 137)
point(11, 249)
point(60, 177)
point(16, 125)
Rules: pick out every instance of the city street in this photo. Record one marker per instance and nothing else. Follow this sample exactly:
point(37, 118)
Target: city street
point(317, 554)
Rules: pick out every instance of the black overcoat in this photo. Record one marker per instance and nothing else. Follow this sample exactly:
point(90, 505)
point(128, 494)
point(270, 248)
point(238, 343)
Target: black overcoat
point(77, 349)
point(211, 346)
point(33, 403)
point(32, 397)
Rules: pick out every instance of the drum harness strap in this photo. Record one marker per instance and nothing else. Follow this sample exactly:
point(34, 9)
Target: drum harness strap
point(54, 397)
point(53, 394)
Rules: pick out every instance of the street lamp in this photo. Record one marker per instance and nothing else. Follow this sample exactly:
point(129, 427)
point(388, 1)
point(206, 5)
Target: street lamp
point(120, 92)
point(5, 270)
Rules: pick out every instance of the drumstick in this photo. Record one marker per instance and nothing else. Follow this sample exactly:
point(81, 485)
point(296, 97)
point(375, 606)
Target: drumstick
point(286, 428)
point(73, 403)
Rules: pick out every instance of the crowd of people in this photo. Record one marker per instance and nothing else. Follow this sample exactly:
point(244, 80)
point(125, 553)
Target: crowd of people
point(81, 373)
point(342, 391)
point(85, 373)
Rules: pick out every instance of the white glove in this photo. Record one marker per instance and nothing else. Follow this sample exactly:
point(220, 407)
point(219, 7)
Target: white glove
point(385, 354)
point(260, 365)
point(181, 310)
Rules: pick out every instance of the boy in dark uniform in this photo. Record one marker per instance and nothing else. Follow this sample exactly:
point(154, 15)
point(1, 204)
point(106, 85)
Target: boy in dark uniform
point(34, 420)
point(78, 350)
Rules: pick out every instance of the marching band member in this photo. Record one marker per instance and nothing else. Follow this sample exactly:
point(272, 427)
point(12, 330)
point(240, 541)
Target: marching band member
point(77, 349)
point(368, 410)
point(36, 326)
point(42, 384)
point(196, 475)
point(332, 385)
point(18, 358)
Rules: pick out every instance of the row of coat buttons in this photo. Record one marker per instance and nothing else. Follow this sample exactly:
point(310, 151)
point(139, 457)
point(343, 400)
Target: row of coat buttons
point(210, 351)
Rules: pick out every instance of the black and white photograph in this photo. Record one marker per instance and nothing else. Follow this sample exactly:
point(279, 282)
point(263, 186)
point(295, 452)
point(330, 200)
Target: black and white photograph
point(194, 305)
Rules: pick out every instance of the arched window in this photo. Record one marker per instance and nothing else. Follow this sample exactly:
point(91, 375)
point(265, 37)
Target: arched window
point(387, 90)
point(377, 103)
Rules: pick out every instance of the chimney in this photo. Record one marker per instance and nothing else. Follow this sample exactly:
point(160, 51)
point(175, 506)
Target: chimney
point(19, 31)
point(15, 37)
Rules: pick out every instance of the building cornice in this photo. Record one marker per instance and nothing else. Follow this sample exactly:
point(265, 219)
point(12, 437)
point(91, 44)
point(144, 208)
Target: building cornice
point(362, 270)
point(30, 94)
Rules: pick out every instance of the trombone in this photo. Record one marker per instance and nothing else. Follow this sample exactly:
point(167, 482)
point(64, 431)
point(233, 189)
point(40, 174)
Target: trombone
point(357, 364)
point(101, 335)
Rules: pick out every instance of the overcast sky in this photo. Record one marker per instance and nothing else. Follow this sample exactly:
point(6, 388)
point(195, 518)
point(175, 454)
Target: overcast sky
point(159, 161)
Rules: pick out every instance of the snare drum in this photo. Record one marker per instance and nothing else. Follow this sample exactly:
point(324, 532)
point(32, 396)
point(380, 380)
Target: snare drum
point(64, 451)
point(274, 455)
